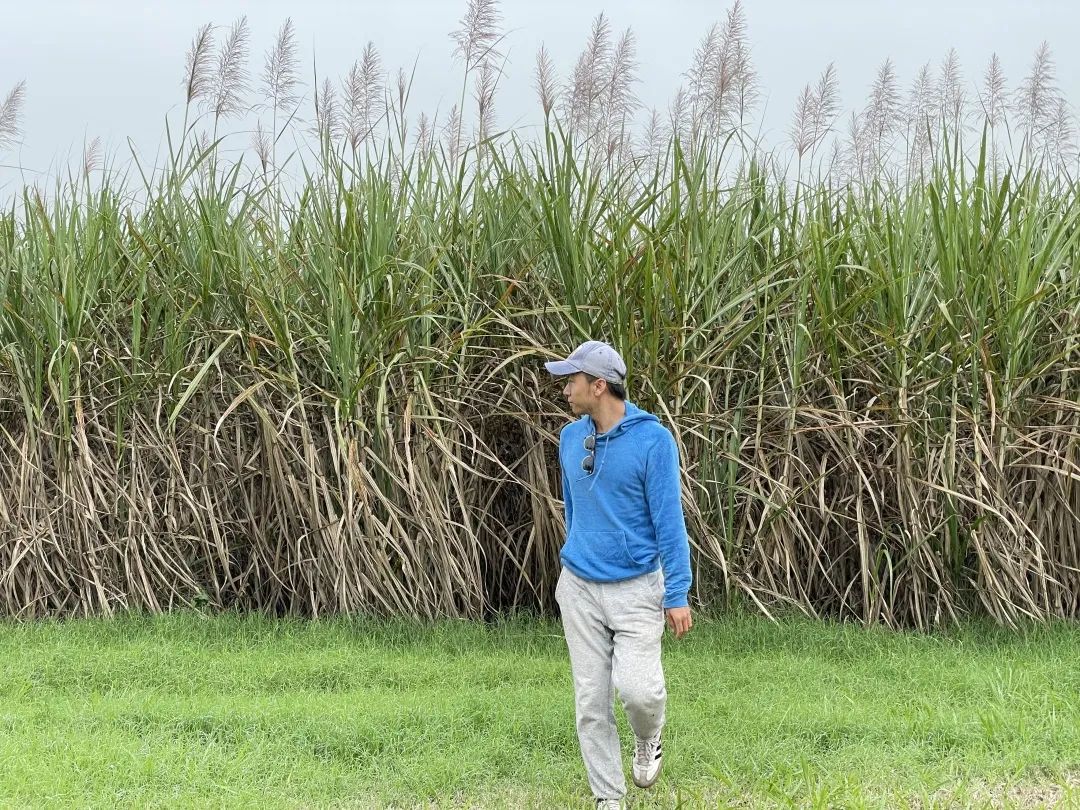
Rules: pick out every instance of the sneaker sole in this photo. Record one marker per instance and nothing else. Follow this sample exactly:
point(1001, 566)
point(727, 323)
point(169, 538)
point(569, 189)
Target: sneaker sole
point(650, 783)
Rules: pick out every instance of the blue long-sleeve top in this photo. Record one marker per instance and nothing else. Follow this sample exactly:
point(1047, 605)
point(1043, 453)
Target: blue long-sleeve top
point(626, 518)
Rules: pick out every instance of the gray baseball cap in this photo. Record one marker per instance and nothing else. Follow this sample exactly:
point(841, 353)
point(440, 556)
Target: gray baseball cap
point(592, 357)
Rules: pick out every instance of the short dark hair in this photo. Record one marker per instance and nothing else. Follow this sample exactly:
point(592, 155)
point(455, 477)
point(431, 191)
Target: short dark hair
point(618, 390)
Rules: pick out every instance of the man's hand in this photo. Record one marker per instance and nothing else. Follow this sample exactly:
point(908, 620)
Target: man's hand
point(678, 619)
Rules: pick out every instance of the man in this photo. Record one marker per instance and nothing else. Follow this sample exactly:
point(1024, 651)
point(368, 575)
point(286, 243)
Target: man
point(626, 562)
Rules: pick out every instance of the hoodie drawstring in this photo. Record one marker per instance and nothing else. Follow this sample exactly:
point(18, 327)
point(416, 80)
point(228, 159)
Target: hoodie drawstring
point(601, 460)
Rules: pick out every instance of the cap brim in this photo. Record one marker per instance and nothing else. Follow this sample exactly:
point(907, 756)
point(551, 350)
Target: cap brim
point(561, 368)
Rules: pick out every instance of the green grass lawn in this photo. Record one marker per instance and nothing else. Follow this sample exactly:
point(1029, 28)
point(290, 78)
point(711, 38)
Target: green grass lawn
point(226, 711)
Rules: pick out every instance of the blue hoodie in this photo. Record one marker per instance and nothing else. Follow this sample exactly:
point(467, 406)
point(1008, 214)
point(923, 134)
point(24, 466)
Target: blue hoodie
point(626, 518)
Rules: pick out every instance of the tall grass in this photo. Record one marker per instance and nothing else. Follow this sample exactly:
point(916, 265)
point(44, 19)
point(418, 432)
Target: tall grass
point(341, 407)
point(319, 389)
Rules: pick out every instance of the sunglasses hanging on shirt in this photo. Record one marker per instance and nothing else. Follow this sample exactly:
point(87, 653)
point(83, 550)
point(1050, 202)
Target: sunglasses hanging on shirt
point(589, 461)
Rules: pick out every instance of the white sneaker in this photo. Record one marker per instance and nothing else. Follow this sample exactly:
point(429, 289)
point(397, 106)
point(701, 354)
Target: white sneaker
point(646, 760)
point(608, 804)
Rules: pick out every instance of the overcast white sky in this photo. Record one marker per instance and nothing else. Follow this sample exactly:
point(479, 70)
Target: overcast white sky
point(112, 68)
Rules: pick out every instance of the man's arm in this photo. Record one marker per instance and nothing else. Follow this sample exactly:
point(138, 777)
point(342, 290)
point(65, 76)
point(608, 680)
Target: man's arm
point(567, 495)
point(663, 491)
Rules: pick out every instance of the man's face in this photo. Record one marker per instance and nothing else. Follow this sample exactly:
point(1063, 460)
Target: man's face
point(580, 393)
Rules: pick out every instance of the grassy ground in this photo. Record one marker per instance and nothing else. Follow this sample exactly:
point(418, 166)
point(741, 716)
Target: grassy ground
point(227, 711)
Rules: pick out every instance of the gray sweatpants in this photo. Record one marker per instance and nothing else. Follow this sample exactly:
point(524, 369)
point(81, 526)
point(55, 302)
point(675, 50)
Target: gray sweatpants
point(613, 632)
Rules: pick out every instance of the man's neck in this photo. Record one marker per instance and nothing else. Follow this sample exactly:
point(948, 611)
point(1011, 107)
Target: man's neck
point(608, 415)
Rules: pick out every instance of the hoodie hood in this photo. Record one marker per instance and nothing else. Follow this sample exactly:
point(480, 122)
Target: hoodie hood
point(634, 416)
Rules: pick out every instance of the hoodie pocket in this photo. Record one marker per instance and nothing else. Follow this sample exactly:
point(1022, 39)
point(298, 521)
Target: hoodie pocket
point(606, 546)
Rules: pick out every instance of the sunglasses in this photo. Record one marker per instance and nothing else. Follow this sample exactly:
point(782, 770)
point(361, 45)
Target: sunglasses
point(589, 461)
